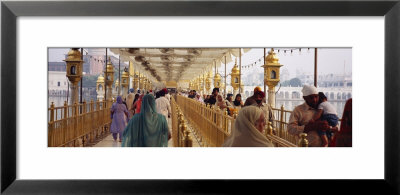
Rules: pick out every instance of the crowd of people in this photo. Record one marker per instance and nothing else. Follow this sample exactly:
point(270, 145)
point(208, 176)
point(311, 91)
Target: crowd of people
point(142, 120)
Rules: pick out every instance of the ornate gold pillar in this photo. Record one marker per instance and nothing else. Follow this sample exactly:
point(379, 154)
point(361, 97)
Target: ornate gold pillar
point(125, 84)
point(235, 78)
point(271, 75)
point(74, 72)
point(109, 78)
point(100, 87)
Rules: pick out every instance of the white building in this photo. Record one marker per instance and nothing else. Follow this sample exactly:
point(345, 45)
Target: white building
point(57, 83)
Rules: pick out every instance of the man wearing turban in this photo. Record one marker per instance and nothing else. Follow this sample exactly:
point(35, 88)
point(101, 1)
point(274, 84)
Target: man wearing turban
point(257, 100)
point(299, 121)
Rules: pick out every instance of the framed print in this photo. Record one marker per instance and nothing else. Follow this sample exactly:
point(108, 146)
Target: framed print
point(12, 13)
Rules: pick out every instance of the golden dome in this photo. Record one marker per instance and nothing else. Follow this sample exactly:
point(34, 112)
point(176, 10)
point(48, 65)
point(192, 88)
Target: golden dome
point(74, 55)
point(125, 74)
point(117, 82)
point(110, 67)
point(272, 58)
point(217, 77)
point(235, 70)
point(100, 79)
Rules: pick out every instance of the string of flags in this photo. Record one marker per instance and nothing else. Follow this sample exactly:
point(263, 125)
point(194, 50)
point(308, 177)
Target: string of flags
point(286, 51)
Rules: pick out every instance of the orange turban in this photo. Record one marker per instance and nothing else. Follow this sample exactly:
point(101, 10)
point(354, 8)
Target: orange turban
point(257, 89)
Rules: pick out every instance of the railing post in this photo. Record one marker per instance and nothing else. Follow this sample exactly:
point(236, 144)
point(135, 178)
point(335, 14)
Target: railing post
point(187, 142)
point(99, 120)
point(65, 122)
point(281, 122)
point(52, 112)
point(93, 124)
point(180, 127)
point(83, 121)
point(268, 131)
point(303, 141)
point(51, 138)
point(76, 110)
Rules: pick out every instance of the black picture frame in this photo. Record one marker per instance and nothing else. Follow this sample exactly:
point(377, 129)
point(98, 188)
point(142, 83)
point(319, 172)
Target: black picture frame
point(10, 10)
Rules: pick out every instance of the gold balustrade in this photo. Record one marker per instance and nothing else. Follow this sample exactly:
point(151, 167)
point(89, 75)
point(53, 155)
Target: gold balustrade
point(180, 133)
point(70, 123)
point(281, 122)
point(214, 126)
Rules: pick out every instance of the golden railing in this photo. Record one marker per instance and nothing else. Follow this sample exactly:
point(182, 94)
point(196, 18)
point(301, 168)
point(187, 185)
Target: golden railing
point(69, 125)
point(281, 123)
point(180, 133)
point(214, 126)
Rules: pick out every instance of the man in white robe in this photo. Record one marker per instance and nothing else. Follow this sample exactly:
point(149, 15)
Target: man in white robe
point(299, 121)
point(162, 104)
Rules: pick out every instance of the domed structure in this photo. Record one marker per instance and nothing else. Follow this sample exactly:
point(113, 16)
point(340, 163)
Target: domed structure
point(217, 81)
point(100, 88)
point(125, 74)
point(235, 76)
point(100, 79)
point(74, 55)
point(272, 58)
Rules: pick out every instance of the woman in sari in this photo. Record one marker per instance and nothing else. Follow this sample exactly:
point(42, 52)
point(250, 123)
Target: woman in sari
point(119, 115)
point(132, 109)
point(344, 137)
point(147, 128)
point(247, 130)
point(136, 106)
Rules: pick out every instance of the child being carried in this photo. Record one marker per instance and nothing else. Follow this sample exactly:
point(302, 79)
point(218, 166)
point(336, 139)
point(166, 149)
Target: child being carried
point(326, 112)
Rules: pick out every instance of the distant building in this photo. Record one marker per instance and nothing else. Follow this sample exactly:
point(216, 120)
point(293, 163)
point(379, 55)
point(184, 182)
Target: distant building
point(57, 83)
point(57, 66)
point(92, 64)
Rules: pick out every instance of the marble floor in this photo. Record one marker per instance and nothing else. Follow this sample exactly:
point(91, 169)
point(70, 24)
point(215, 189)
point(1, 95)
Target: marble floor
point(109, 141)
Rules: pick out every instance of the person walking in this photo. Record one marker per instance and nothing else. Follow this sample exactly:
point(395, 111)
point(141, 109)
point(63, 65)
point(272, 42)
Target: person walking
point(120, 116)
point(148, 128)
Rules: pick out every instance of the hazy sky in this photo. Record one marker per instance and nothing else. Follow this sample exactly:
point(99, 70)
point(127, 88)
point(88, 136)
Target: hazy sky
point(330, 60)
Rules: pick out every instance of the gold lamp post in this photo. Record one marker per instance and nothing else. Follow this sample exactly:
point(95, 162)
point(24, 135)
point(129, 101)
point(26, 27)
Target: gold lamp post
point(100, 87)
point(125, 83)
point(190, 85)
point(144, 82)
point(135, 81)
point(208, 83)
point(197, 83)
point(140, 82)
point(148, 84)
point(235, 78)
point(241, 86)
point(74, 72)
point(116, 87)
point(271, 75)
point(217, 80)
point(109, 78)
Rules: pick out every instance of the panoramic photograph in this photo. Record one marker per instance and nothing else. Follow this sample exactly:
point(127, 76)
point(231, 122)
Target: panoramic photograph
point(199, 97)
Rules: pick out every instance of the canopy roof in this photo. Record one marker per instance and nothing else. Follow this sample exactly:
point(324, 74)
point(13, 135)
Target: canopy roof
point(175, 64)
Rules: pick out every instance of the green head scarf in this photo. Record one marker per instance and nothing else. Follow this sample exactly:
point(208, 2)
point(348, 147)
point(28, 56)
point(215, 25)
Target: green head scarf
point(147, 128)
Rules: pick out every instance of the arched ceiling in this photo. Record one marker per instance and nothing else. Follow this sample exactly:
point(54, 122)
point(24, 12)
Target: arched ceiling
point(175, 64)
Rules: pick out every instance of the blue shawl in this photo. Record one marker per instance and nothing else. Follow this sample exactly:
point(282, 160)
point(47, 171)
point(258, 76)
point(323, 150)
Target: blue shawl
point(147, 128)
